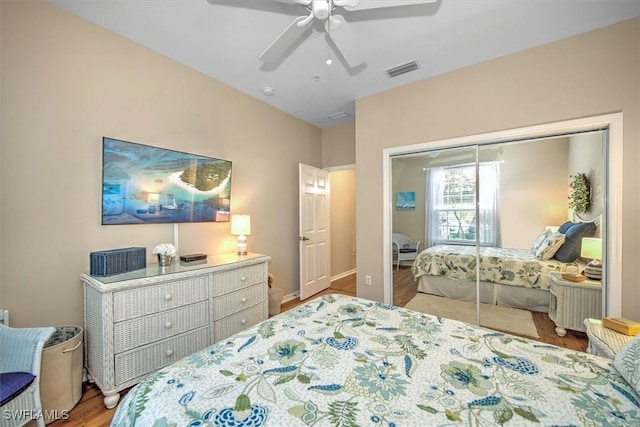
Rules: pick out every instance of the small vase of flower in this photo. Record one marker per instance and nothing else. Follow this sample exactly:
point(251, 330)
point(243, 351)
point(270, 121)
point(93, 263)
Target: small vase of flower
point(275, 296)
point(165, 252)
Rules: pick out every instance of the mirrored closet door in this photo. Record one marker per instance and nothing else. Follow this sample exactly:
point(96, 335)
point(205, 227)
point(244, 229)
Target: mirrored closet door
point(498, 225)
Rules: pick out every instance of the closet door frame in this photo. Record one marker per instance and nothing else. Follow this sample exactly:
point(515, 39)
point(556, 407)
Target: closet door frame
point(612, 212)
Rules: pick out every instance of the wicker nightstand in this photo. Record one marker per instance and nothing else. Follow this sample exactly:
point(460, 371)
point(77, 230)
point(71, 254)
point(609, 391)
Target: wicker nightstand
point(604, 341)
point(572, 302)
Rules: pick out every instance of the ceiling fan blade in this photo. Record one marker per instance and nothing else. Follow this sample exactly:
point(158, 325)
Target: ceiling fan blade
point(286, 39)
point(375, 4)
point(345, 40)
point(302, 2)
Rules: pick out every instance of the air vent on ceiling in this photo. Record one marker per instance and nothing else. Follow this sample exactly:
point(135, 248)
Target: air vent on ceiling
point(338, 116)
point(402, 69)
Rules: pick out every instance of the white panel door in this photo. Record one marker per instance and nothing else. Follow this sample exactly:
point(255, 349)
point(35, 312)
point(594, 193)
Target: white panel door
point(314, 216)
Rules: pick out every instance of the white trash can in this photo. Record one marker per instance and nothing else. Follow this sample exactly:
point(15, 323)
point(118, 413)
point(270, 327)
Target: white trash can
point(61, 372)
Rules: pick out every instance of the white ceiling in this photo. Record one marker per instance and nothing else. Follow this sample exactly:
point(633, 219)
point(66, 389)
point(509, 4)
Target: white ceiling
point(224, 39)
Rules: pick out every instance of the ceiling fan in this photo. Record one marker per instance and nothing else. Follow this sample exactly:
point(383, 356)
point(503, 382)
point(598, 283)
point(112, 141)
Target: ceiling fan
point(335, 25)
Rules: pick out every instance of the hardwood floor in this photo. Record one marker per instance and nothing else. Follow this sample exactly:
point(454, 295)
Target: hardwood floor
point(91, 412)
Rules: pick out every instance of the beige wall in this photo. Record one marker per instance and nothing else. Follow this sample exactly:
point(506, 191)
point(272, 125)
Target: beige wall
point(338, 145)
point(533, 190)
point(409, 176)
point(586, 156)
point(338, 152)
point(66, 83)
point(343, 221)
point(590, 74)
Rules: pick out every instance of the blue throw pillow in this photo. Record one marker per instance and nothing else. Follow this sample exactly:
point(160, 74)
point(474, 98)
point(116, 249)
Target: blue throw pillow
point(564, 227)
point(570, 250)
point(12, 384)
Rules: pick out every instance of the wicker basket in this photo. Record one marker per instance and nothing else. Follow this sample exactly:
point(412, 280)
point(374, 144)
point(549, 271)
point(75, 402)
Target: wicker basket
point(275, 300)
point(61, 372)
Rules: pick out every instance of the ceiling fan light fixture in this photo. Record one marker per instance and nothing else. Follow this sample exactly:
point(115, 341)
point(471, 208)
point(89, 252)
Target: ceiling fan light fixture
point(320, 9)
point(402, 68)
point(345, 40)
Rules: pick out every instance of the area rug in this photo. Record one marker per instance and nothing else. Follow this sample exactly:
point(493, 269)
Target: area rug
point(504, 319)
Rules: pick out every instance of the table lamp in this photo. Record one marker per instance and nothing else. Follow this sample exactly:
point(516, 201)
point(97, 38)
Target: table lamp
point(592, 249)
point(241, 227)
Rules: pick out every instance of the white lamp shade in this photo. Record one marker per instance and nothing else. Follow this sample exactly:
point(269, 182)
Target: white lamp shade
point(591, 248)
point(240, 225)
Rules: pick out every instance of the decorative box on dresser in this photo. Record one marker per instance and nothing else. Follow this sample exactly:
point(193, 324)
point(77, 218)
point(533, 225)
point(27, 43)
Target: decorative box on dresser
point(572, 302)
point(141, 321)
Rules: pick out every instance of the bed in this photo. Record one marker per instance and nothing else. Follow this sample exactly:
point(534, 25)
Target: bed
point(508, 277)
point(345, 361)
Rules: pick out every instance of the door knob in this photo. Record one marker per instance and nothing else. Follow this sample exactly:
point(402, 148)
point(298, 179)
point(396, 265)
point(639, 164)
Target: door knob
point(304, 239)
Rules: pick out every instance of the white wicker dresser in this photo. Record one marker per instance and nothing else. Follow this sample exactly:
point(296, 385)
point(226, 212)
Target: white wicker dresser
point(141, 321)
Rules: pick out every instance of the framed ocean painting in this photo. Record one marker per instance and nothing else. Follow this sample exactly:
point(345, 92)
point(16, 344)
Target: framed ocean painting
point(144, 184)
point(406, 201)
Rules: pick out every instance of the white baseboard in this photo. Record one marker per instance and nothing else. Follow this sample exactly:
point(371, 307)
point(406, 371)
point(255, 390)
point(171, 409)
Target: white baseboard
point(344, 274)
point(296, 295)
point(290, 297)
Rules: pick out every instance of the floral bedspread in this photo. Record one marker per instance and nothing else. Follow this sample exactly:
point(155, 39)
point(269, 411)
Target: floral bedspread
point(516, 267)
point(346, 361)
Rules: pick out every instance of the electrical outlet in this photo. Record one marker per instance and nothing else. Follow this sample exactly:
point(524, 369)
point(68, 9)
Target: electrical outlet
point(367, 280)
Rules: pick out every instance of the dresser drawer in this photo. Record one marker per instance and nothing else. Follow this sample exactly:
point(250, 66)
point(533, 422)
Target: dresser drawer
point(228, 326)
point(143, 360)
point(144, 330)
point(141, 301)
point(234, 302)
point(229, 281)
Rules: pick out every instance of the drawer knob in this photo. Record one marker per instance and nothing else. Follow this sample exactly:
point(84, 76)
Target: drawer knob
point(167, 297)
point(243, 278)
point(243, 300)
point(169, 353)
point(243, 321)
point(168, 324)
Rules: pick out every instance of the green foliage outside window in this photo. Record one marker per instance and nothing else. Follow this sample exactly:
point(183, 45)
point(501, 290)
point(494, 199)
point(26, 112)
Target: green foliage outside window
point(457, 215)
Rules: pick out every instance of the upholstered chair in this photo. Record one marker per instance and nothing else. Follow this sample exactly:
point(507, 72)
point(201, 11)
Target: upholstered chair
point(20, 357)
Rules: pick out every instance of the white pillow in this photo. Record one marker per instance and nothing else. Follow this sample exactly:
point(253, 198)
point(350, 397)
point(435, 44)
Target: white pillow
point(549, 246)
point(539, 240)
point(627, 363)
